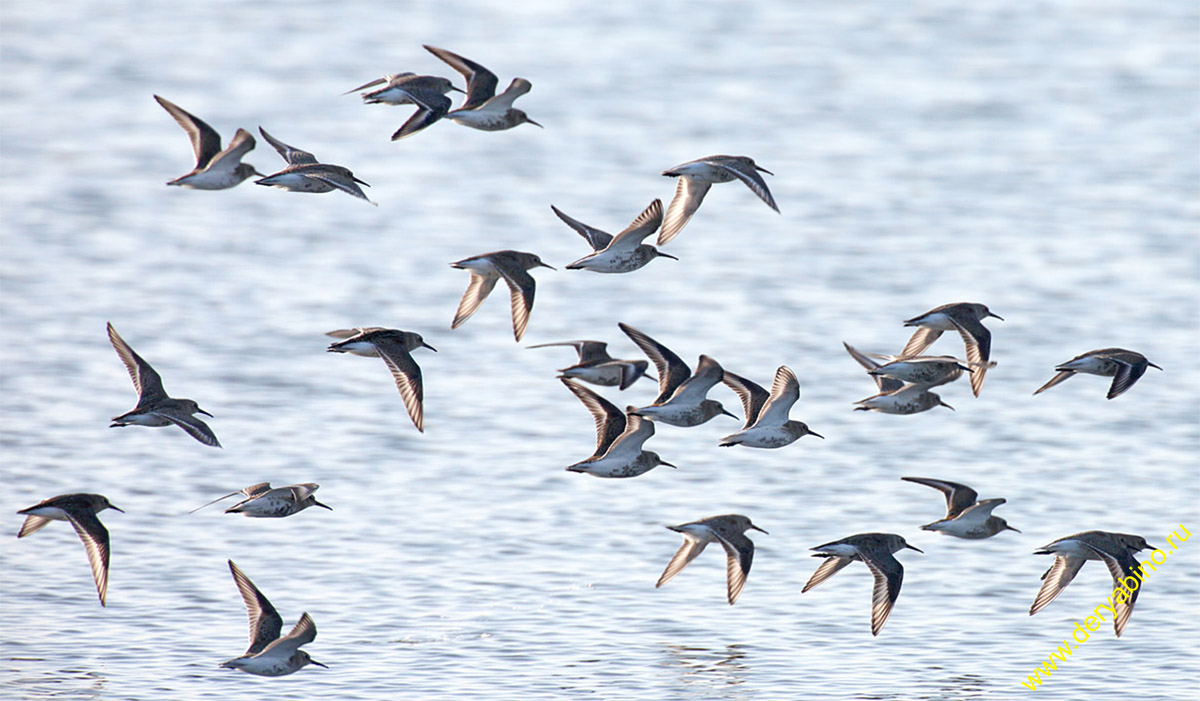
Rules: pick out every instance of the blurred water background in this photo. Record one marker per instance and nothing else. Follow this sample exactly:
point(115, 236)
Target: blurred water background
point(1041, 158)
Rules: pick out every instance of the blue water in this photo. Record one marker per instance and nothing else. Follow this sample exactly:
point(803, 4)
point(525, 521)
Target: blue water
point(1039, 158)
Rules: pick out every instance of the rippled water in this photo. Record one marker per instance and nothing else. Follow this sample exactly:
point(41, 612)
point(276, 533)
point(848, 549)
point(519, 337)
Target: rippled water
point(1040, 158)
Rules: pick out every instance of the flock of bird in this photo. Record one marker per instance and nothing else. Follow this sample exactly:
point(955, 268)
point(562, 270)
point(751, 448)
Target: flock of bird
point(904, 381)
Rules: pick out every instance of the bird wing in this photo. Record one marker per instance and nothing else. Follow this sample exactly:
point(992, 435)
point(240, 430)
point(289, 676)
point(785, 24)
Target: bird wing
point(431, 107)
point(95, 540)
point(477, 290)
point(243, 142)
point(644, 225)
point(752, 395)
point(1127, 374)
point(921, 339)
point(784, 393)
point(195, 427)
point(291, 155)
point(596, 238)
point(265, 622)
point(251, 491)
point(407, 374)
point(959, 497)
point(692, 546)
point(521, 287)
point(1055, 580)
point(145, 380)
point(884, 384)
point(206, 142)
point(1061, 376)
point(610, 421)
point(978, 341)
point(749, 176)
point(739, 554)
point(303, 633)
point(481, 83)
point(1120, 567)
point(672, 371)
point(688, 196)
point(829, 567)
point(33, 524)
point(889, 575)
point(504, 101)
point(708, 373)
point(629, 444)
point(338, 181)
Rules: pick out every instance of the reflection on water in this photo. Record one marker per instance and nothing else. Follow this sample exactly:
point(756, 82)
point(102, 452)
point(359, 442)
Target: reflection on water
point(711, 668)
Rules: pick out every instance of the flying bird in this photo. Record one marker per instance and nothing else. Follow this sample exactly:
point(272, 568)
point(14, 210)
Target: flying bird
point(270, 655)
point(154, 407)
point(304, 174)
point(486, 270)
point(728, 530)
point(624, 252)
point(696, 177)
point(216, 168)
point(395, 347)
point(80, 511)
point(1125, 367)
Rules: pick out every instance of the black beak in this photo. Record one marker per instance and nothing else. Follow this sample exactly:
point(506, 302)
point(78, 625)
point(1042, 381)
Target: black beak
point(360, 182)
point(665, 255)
point(317, 503)
point(458, 90)
point(312, 661)
point(1152, 365)
point(548, 266)
point(914, 548)
point(1010, 528)
point(527, 119)
point(733, 415)
point(758, 167)
point(426, 345)
point(201, 411)
point(814, 433)
point(996, 315)
point(758, 529)
point(114, 506)
point(664, 462)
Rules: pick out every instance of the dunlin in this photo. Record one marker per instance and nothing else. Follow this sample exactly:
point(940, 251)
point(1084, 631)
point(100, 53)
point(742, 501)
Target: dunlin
point(623, 253)
point(682, 395)
point(767, 424)
point(619, 439)
point(270, 655)
point(263, 502)
point(875, 550)
point(154, 407)
point(1114, 549)
point(895, 397)
point(400, 86)
point(304, 174)
point(80, 510)
point(1124, 366)
point(395, 347)
point(924, 370)
point(485, 270)
point(695, 177)
point(427, 92)
point(484, 109)
point(965, 516)
point(728, 530)
point(964, 317)
point(216, 168)
point(598, 367)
